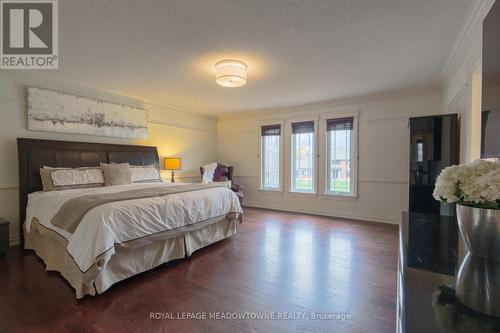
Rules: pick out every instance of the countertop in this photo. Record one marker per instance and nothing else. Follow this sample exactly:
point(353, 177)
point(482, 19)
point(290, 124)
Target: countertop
point(431, 251)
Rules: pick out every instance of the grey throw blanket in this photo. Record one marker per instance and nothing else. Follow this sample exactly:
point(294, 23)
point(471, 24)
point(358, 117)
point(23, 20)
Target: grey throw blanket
point(72, 211)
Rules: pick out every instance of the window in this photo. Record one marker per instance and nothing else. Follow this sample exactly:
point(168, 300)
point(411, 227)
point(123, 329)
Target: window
point(303, 161)
point(270, 157)
point(420, 150)
point(340, 148)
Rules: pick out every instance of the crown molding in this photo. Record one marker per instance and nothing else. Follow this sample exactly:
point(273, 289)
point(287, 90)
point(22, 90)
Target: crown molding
point(75, 87)
point(176, 125)
point(466, 49)
point(174, 109)
point(336, 103)
point(72, 86)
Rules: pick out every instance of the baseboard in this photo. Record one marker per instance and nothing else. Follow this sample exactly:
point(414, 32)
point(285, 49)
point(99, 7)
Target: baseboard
point(388, 219)
point(14, 240)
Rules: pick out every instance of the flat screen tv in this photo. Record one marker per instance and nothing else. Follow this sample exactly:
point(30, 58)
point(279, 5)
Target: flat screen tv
point(490, 117)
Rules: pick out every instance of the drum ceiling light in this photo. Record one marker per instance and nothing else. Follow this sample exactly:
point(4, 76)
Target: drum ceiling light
point(231, 73)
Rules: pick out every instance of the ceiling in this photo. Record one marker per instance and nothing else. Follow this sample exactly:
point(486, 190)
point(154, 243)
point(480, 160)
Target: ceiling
point(298, 52)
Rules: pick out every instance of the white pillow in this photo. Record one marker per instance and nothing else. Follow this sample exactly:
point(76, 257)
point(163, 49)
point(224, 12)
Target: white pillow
point(145, 174)
point(66, 178)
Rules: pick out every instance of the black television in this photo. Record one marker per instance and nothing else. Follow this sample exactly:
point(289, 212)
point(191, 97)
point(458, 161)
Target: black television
point(490, 115)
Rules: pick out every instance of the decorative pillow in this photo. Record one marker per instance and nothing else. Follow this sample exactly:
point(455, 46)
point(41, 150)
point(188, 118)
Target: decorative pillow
point(116, 174)
point(220, 173)
point(55, 179)
point(145, 174)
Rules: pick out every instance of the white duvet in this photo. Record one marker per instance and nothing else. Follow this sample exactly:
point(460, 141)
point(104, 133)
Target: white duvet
point(118, 222)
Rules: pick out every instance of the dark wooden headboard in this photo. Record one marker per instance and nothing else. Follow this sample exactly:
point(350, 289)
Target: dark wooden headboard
point(33, 154)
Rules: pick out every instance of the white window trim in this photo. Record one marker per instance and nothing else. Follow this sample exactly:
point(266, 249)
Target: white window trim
point(267, 122)
point(324, 154)
point(288, 151)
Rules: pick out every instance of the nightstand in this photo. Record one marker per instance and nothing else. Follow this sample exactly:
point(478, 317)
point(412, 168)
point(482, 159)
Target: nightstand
point(4, 236)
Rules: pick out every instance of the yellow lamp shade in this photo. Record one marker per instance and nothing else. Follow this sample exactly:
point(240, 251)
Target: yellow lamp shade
point(172, 163)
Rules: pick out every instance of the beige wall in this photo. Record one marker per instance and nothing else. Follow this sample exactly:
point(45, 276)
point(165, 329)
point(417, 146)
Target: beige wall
point(383, 156)
point(192, 137)
point(461, 79)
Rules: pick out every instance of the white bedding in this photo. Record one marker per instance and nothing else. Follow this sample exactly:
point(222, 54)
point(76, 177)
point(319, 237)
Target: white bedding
point(118, 222)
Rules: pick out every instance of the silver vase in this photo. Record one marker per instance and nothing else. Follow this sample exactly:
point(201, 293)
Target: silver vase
point(480, 229)
point(478, 281)
point(478, 284)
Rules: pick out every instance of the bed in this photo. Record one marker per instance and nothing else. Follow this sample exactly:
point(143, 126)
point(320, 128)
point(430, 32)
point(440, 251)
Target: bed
point(117, 239)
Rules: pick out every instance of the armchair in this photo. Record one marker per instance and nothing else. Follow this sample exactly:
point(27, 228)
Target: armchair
point(224, 173)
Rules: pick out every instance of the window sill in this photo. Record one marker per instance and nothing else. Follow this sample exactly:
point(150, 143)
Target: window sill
point(270, 191)
point(303, 194)
point(339, 197)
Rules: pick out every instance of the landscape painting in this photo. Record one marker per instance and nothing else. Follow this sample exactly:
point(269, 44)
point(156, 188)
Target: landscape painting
point(52, 111)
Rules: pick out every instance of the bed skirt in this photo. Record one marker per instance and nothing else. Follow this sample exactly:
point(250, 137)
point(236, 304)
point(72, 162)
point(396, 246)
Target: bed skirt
point(130, 258)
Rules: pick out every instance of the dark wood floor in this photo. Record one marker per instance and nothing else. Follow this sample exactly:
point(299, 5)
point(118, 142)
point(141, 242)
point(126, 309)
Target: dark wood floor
point(278, 263)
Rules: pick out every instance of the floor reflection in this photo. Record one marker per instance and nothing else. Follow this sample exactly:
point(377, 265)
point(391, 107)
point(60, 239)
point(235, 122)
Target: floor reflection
point(317, 265)
point(271, 249)
point(302, 261)
point(340, 256)
point(297, 258)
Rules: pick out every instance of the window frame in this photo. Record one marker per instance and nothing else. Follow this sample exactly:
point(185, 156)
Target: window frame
point(326, 153)
point(289, 157)
point(268, 122)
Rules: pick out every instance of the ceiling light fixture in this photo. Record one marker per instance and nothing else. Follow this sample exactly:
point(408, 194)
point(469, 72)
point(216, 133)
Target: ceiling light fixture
point(231, 73)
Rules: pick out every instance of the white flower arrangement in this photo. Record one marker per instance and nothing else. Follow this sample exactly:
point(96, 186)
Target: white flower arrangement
point(475, 184)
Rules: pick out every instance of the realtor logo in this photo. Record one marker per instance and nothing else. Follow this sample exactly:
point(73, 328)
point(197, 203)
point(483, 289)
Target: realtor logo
point(29, 35)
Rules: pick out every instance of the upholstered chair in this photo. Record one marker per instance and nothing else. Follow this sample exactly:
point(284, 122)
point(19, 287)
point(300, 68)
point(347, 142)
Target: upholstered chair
point(224, 173)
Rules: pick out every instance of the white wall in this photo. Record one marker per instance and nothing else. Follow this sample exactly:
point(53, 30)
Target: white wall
point(191, 137)
point(383, 156)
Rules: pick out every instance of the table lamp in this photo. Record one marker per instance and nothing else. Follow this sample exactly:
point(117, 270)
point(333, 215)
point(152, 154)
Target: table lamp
point(172, 163)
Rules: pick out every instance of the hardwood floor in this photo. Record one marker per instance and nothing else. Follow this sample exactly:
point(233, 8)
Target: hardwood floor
point(278, 264)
